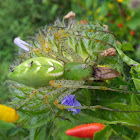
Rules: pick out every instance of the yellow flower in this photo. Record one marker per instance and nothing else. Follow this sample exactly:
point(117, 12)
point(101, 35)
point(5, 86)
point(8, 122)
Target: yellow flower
point(8, 114)
point(120, 1)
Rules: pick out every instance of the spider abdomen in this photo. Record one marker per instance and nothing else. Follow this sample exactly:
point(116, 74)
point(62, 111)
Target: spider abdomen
point(37, 72)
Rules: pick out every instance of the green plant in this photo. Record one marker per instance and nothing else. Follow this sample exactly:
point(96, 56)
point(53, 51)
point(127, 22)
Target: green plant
point(82, 43)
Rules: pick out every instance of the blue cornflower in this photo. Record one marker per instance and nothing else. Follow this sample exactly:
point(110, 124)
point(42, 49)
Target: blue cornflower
point(22, 44)
point(71, 101)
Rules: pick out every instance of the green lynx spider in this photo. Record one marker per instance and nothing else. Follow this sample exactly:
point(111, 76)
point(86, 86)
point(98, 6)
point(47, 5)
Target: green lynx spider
point(62, 67)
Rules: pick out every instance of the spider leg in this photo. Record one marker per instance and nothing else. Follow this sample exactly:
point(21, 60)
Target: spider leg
point(66, 84)
point(62, 38)
point(68, 91)
point(73, 86)
point(27, 99)
point(60, 106)
point(58, 90)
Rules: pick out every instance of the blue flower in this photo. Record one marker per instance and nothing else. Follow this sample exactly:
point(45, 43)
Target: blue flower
point(71, 101)
point(22, 44)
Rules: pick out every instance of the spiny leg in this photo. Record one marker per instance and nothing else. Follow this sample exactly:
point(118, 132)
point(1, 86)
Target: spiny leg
point(47, 50)
point(74, 84)
point(60, 83)
point(60, 106)
point(27, 99)
point(66, 84)
point(67, 92)
point(48, 94)
point(58, 90)
point(92, 39)
point(37, 51)
point(61, 37)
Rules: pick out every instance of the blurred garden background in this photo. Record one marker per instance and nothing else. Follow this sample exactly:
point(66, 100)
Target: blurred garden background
point(23, 18)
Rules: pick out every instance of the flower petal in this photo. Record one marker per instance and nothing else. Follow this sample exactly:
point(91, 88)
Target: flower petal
point(71, 101)
point(22, 44)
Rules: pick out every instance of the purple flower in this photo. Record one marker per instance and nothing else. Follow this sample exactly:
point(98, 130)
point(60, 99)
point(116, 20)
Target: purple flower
point(22, 44)
point(71, 101)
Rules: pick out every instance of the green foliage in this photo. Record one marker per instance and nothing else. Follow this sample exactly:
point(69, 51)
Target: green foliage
point(103, 134)
point(36, 113)
point(22, 18)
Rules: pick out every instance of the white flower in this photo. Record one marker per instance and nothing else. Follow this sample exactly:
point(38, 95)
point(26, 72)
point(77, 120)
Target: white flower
point(22, 44)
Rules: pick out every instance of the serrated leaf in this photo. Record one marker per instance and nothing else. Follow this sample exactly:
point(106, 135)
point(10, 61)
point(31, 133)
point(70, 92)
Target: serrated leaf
point(39, 121)
point(130, 119)
point(103, 134)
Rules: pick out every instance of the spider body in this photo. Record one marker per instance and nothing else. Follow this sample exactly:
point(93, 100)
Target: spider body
point(77, 71)
point(45, 69)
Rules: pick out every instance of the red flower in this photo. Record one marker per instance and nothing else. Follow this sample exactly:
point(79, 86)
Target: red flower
point(120, 25)
point(85, 130)
point(132, 32)
point(83, 22)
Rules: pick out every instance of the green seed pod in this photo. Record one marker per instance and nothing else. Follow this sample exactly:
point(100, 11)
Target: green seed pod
point(37, 72)
point(77, 71)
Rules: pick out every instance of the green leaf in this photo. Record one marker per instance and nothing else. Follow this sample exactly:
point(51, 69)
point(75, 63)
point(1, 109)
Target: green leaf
point(103, 134)
point(130, 119)
point(137, 83)
point(5, 126)
point(128, 60)
point(37, 121)
point(14, 131)
point(40, 133)
point(54, 9)
point(127, 46)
